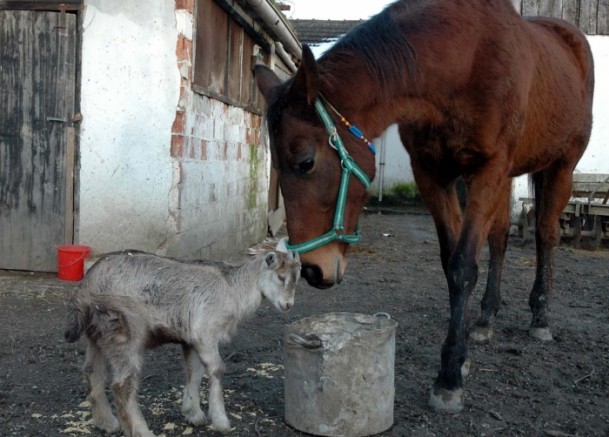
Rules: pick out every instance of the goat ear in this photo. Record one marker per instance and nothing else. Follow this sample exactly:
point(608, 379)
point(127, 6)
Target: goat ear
point(293, 255)
point(266, 80)
point(282, 245)
point(306, 80)
point(271, 259)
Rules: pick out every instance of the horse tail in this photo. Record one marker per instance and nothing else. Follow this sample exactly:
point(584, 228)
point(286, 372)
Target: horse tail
point(536, 183)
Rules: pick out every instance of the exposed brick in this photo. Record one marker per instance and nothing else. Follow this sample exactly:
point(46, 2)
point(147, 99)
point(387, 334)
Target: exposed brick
point(178, 123)
point(183, 48)
point(203, 150)
point(185, 4)
point(177, 146)
point(185, 94)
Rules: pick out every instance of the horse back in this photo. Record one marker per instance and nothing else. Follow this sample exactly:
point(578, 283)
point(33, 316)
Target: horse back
point(572, 41)
point(558, 105)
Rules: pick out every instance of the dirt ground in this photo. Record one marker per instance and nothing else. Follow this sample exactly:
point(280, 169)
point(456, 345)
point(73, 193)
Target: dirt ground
point(516, 386)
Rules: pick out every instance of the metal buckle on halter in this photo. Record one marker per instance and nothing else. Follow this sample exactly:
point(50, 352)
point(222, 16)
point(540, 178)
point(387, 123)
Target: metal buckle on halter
point(332, 138)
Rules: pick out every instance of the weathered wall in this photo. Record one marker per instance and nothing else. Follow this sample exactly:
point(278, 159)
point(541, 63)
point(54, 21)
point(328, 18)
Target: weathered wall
point(162, 169)
point(130, 86)
point(218, 201)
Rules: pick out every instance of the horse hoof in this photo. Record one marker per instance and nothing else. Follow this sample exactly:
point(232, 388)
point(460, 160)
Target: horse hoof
point(481, 334)
point(446, 401)
point(542, 334)
point(465, 368)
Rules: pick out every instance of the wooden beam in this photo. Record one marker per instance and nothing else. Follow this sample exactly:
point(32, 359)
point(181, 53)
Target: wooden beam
point(47, 5)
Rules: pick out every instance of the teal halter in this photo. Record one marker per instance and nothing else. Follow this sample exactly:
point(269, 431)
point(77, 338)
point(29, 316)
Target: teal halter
point(337, 233)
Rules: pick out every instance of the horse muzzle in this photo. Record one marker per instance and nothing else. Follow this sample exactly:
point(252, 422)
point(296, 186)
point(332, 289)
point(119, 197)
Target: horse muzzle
point(326, 274)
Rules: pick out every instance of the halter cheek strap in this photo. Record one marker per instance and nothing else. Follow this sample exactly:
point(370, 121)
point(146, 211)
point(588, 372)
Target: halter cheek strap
point(349, 167)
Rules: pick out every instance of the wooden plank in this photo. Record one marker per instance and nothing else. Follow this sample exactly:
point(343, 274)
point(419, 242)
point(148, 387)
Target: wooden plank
point(550, 8)
point(589, 177)
point(38, 50)
point(602, 23)
point(211, 48)
point(530, 8)
point(48, 5)
point(570, 11)
point(587, 16)
point(234, 77)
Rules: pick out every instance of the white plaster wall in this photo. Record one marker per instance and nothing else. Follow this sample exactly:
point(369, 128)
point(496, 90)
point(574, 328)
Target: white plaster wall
point(395, 162)
point(130, 88)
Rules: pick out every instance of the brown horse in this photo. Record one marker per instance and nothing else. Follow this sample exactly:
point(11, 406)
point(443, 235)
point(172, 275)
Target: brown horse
point(477, 91)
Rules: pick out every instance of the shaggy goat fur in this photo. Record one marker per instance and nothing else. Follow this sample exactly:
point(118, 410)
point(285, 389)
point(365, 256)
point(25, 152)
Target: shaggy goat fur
point(130, 301)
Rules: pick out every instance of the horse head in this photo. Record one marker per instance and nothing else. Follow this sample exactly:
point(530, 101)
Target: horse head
point(310, 170)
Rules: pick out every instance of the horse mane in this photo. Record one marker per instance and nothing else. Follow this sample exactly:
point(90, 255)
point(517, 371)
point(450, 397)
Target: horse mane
point(380, 43)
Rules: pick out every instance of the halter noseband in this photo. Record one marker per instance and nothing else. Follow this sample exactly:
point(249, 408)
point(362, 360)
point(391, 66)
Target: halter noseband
point(337, 233)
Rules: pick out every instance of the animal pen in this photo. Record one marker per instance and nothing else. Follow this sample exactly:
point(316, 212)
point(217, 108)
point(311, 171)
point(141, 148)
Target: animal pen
point(585, 219)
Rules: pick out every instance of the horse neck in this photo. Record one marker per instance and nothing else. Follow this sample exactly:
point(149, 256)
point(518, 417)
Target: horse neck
point(354, 93)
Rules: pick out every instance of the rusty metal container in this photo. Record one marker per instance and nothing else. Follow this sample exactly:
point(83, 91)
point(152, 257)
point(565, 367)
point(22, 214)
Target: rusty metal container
point(339, 374)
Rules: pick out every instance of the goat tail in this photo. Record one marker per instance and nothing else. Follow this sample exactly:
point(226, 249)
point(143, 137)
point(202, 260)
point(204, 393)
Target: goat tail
point(76, 319)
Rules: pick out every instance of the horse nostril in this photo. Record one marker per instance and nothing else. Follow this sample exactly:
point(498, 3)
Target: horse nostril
point(314, 276)
point(311, 273)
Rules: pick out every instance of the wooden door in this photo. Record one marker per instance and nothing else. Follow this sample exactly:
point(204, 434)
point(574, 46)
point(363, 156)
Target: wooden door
point(37, 136)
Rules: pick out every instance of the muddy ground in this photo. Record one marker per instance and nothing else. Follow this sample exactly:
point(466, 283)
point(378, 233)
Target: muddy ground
point(517, 386)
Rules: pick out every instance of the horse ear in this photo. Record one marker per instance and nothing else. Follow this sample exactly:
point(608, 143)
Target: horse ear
point(266, 80)
point(306, 80)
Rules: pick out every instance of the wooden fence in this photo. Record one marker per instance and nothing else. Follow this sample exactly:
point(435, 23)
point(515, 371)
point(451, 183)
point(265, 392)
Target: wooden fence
point(591, 16)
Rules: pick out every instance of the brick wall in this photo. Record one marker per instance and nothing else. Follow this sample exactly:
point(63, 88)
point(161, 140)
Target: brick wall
point(218, 199)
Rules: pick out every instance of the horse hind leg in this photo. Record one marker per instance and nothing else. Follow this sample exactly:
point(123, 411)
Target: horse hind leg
point(497, 241)
point(552, 192)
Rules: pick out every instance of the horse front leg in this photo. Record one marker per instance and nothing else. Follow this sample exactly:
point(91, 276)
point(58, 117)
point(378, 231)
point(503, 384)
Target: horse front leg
point(442, 202)
point(461, 275)
point(461, 268)
point(497, 241)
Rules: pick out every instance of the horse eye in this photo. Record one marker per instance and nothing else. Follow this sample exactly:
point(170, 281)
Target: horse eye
point(306, 165)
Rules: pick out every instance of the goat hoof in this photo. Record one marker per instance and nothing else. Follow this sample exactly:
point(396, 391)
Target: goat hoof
point(109, 424)
point(542, 334)
point(446, 401)
point(480, 334)
point(221, 425)
point(197, 419)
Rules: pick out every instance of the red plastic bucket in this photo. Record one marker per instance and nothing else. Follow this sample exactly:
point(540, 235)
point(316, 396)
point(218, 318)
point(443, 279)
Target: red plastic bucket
point(71, 262)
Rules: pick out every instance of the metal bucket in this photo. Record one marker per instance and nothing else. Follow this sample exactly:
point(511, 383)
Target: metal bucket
point(339, 374)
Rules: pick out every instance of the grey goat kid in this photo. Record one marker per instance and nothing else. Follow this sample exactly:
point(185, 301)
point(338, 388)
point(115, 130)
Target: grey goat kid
point(130, 301)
